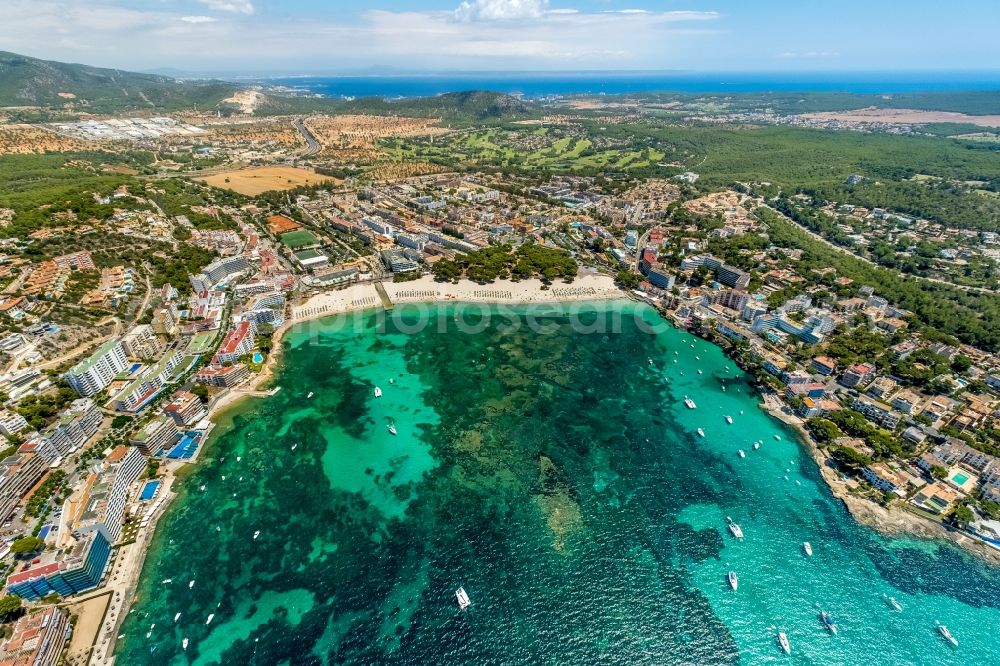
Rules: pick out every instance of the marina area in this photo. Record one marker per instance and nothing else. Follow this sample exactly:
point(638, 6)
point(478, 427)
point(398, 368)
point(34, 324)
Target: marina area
point(309, 526)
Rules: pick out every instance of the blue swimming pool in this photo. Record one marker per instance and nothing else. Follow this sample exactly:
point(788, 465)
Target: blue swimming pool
point(186, 447)
point(258, 357)
point(149, 491)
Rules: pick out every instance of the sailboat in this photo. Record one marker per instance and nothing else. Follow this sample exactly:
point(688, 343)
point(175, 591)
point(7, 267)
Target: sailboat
point(734, 528)
point(943, 630)
point(734, 581)
point(783, 642)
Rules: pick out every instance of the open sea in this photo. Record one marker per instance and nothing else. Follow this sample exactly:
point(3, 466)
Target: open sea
point(536, 85)
point(558, 477)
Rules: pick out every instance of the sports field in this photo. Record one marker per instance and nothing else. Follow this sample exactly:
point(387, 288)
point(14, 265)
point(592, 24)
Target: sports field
point(297, 239)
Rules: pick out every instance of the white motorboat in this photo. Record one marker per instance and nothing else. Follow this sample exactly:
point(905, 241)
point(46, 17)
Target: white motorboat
point(729, 420)
point(786, 647)
point(211, 616)
point(943, 630)
point(239, 458)
point(191, 584)
point(650, 361)
point(734, 581)
point(168, 581)
point(700, 372)
point(734, 528)
point(828, 622)
point(391, 428)
point(256, 534)
point(311, 394)
point(392, 381)
point(689, 403)
point(806, 546)
point(184, 644)
point(701, 433)
point(778, 437)
point(756, 445)
point(378, 392)
point(893, 604)
point(463, 598)
point(742, 454)
point(177, 616)
point(201, 488)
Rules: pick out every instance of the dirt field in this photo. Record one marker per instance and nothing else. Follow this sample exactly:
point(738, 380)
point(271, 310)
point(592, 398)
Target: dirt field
point(91, 614)
point(264, 179)
point(28, 139)
point(904, 116)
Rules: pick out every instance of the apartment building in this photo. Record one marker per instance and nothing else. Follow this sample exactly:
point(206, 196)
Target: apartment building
point(93, 374)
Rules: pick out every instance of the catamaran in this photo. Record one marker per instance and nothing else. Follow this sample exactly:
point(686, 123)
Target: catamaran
point(689, 403)
point(828, 622)
point(734, 528)
point(783, 642)
point(806, 546)
point(463, 598)
point(734, 581)
point(378, 392)
point(943, 630)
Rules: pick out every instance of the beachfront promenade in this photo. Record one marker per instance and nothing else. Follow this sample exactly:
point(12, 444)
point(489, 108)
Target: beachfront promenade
point(426, 290)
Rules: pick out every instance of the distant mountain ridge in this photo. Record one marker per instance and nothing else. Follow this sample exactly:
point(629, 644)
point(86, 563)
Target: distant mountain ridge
point(32, 82)
point(26, 81)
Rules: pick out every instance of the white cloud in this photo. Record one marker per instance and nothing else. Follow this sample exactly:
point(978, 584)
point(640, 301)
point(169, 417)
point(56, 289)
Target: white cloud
point(105, 33)
point(501, 10)
point(234, 6)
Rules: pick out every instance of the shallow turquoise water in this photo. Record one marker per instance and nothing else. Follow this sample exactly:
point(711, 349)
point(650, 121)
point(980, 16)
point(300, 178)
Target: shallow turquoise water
point(558, 478)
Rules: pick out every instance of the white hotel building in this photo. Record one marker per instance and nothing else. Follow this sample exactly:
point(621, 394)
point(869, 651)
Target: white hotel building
point(91, 375)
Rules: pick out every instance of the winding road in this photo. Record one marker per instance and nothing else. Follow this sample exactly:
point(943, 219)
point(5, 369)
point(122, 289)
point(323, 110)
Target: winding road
point(312, 145)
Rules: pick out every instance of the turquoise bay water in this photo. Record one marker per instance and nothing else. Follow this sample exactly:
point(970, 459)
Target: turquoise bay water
point(557, 477)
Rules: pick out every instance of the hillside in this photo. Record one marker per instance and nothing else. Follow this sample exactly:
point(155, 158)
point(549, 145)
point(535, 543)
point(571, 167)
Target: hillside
point(26, 81)
point(459, 107)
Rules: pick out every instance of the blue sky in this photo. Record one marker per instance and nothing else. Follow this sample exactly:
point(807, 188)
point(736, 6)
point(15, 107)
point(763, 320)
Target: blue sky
point(320, 36)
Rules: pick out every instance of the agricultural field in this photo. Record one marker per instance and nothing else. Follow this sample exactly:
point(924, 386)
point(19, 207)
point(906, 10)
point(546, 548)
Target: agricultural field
point(252, 182)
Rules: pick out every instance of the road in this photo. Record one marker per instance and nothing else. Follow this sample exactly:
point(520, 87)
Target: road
point(844, 250)
point(312, 145)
